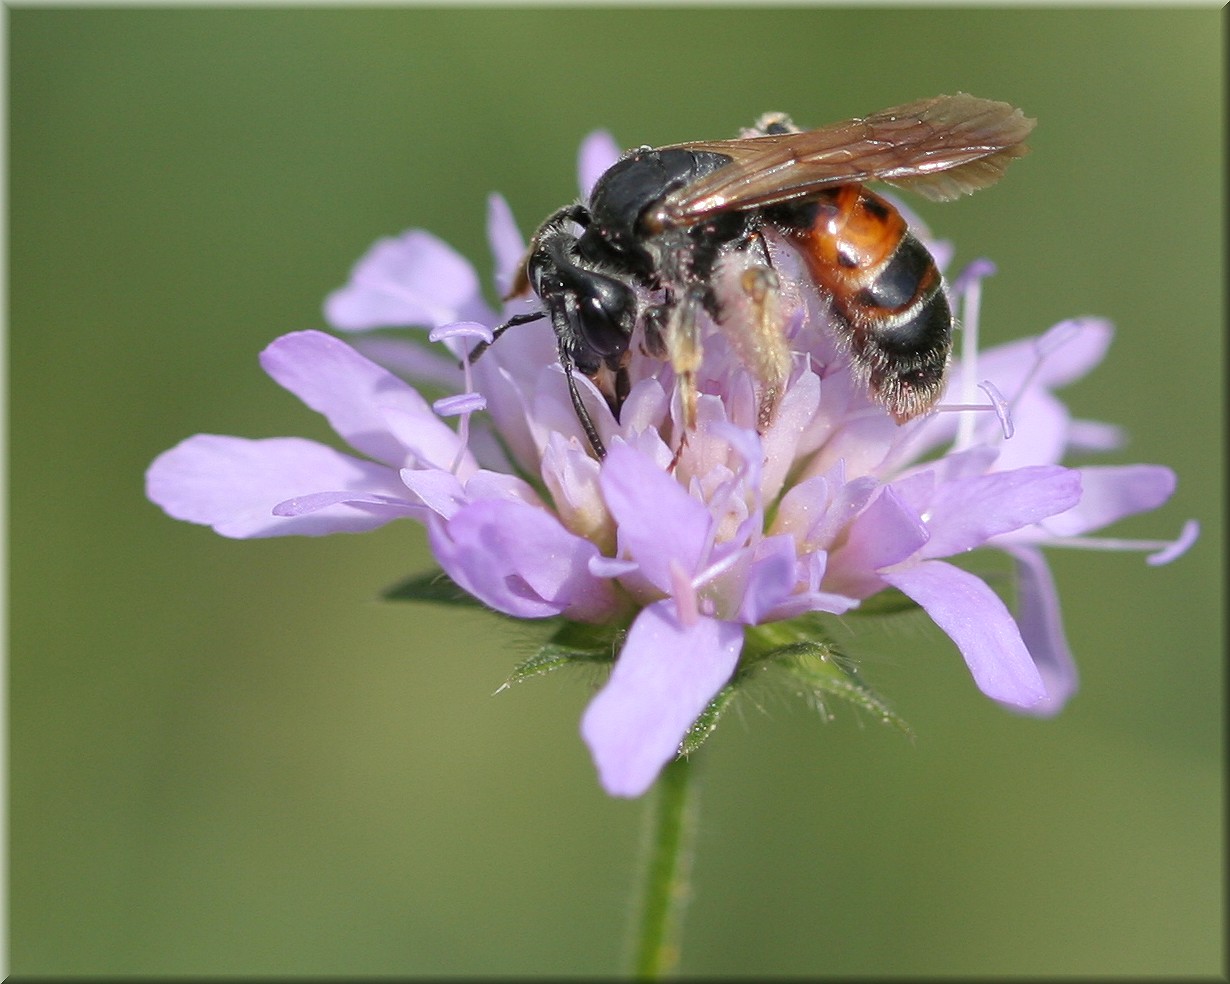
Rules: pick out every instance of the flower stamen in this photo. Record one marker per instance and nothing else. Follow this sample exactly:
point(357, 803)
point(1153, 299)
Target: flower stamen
point(467, 402)
point(1164, 550)
point(997, 404)
point(969, 286)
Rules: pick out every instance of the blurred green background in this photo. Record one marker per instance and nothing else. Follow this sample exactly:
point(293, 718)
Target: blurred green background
point(230, 758)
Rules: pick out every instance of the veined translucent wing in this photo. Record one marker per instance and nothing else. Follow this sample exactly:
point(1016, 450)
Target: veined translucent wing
point(941, 148)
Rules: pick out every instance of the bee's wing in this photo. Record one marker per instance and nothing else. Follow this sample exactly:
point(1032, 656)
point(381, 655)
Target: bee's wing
point(941, 148)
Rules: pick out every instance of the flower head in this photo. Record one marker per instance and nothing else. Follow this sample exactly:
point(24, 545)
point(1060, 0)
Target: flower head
point(691, 546)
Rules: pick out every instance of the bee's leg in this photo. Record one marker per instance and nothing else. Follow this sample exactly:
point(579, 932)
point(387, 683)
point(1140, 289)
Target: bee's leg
point(623, 385)
point(683, 347)
point(654, 338)
point(587, 422)
point(575, 355)
point(747, 307)
point(764, 347)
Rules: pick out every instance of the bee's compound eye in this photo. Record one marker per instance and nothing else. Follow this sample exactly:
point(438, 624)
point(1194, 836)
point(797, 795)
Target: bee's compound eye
point(607, 310)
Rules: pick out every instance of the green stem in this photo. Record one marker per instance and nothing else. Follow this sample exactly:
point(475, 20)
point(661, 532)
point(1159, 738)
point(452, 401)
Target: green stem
point(668, 845)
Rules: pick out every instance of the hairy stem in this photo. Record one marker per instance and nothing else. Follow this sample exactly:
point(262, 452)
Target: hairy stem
point(668, 845)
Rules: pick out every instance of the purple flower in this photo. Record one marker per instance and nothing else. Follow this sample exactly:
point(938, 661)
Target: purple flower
point(692, 549)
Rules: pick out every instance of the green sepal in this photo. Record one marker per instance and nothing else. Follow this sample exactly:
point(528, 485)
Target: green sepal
point(824, 672)
point(760, 643)
point(572, 643)
point(800, 650)
point(707, 723)
point(768, 641)
point(432, 586)
point(890, 601)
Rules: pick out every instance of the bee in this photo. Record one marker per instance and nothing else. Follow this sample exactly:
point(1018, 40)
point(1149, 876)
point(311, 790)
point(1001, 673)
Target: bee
point(649, 246)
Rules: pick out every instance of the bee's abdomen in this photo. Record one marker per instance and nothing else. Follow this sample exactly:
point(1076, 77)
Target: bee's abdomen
point(885, 290)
